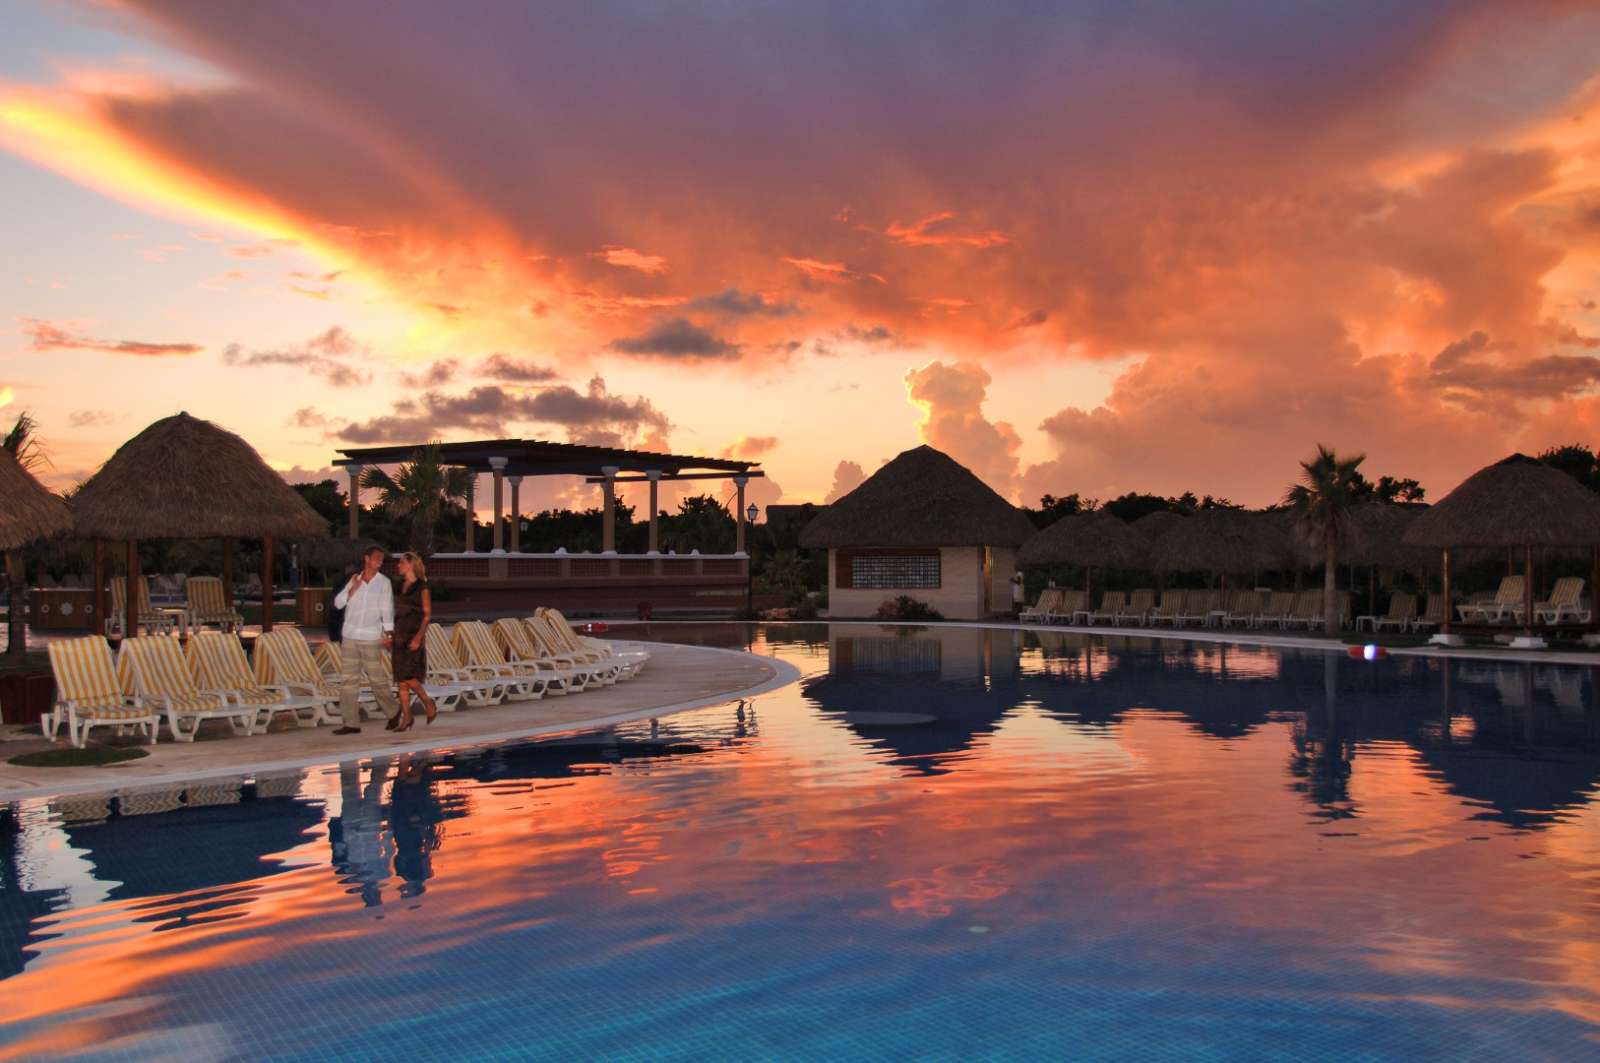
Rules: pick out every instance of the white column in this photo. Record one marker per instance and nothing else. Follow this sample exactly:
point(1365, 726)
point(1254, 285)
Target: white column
point(655, 525)
point(472, 522)
point(516, 514)
point(499, 467)
point(355, 500)
point(608, 529)
point(738, 515)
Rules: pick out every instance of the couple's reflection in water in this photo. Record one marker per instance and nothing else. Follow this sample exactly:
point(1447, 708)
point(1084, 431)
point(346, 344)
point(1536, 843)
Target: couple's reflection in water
point(373, 841)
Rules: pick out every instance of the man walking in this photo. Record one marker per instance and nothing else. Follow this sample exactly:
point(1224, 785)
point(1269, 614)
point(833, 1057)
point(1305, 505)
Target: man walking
point(368, 604)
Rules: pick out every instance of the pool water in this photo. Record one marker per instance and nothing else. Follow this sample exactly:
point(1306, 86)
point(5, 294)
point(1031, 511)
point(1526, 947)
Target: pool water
point(944, 843)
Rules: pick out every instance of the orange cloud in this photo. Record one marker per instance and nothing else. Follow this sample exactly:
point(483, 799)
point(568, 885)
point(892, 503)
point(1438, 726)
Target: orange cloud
point(50, 336)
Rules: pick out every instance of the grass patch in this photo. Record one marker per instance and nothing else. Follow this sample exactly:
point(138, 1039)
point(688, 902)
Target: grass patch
point(88, 757)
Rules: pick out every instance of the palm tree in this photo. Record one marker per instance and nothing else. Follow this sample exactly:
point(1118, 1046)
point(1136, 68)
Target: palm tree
point(419, 489)
point(1322, 503)
point(23, 443)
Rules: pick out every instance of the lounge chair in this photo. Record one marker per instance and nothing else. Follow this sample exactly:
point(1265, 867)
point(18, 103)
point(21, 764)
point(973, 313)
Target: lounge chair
point(163, 682)
point(90, 694)
point(1243, 608)
point(1402, 611)
point(209, 605)
point(631, 659)
point(476, 646)
point(1171, 607)
point(1565, 603)
point(1039, 612)
point(1306, 611)
point(1141, 603)
point(330, 664)
point(561, 674)
point(598, 668)
point(1500, 609)
point(282, 658)
point(1112, 604)
point(1433, 614)
point(220, 667)
point(1276, 611)
point(479, 686)
point(446, 696)
point(1071, 605)
point(1197, 607)
point(149, 617)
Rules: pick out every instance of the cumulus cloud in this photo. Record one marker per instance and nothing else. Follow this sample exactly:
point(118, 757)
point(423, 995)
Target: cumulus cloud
point(629, 258)
point(847, 476)
point(676, 338)
point(951, 398)
point(749, 448)
point(510, 370)
point(437, 374)
point(53, 336)
point(88, 418)
point(326, 354)
point(308, 417)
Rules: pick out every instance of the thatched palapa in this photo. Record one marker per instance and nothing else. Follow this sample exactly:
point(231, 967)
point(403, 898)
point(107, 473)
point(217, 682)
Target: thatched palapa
point(1216, 540)
point(184, 478)
point(1095, 540)
point(28, 510)
point(1152, 526)
point(1380, 537)
point(921, 498)
point(1519, 501)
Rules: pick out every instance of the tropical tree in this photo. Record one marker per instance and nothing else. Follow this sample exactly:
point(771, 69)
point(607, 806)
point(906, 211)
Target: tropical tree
point(23, 443)
point(1322, 502)
point(419, 490)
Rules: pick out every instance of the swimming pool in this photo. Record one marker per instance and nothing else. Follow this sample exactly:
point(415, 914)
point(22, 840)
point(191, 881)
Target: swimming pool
point(1095, 848)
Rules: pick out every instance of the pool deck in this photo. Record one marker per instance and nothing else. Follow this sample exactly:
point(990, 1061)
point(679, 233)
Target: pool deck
point(677, 678)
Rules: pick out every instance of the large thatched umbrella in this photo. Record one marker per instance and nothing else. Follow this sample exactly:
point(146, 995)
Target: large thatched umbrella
point(1519, 501)
point(1093, 540)
point(184, 478)
point(1152, 526)
point(1214, 540)
point(921, 498)
point(28, 511)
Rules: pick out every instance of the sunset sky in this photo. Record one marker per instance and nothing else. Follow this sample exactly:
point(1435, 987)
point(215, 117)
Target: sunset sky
point(1085, 246)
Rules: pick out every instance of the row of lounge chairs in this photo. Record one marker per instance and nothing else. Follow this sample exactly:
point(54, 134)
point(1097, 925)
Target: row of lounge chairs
point(204, 604)
point(1509, 604)
point(1184, 608)
point(156, 678)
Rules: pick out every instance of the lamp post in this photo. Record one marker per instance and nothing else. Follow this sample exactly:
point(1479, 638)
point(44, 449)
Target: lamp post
point(749, 570)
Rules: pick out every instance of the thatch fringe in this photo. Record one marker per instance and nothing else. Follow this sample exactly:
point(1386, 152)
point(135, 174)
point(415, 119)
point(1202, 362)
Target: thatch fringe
point(28, 509)
point(1095, 539)
point(921, 498)
point(184, 478)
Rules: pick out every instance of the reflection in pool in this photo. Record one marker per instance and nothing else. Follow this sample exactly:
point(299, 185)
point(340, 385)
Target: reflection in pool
point(943, 841)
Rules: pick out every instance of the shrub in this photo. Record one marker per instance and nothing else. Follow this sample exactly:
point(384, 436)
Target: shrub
point(906, 607)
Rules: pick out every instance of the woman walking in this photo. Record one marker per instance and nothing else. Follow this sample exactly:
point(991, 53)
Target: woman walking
point(413, 609)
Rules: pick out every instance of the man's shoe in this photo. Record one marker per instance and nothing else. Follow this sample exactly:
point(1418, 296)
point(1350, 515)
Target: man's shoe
point(347, 730)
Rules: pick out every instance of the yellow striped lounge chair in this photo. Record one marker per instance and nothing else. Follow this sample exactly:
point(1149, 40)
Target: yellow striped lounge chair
point(1402, 611)
point(477, 647)
point(1280, 604)
point(1244, 607)
point(631, 658)
point(1564, 604)
point(148, 616)
point(1069, 606)
point(596, 668)
point(1112, 603)
point(330, 662)
point(1306, 611)
point(1508, 598)
point(1039, 612)
point(479, 686)
point(282, 658)
point(1140, 605)
point(219, 664)
point(561, 674)
point(1170, 609)
point(163, 681)
point(209, 605)
point(90, 694)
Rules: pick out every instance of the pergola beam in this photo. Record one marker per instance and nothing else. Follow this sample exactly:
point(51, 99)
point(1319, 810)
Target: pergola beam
point(753, 473)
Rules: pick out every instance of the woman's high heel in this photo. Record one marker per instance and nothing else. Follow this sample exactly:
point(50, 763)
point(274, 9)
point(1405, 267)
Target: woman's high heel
point(407, 725)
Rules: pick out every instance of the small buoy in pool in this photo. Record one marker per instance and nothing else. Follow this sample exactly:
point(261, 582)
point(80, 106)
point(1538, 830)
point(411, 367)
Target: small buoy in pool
point(1374, 652)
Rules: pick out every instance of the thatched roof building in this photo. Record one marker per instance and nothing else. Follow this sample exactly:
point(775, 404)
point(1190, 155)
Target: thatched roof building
point(921, 498)
point(1216, 540)
point(1096, 539)
point(1151, 527)
point(28, 510)
point(184, 478)
point(1380, 537)
point(1519, 501)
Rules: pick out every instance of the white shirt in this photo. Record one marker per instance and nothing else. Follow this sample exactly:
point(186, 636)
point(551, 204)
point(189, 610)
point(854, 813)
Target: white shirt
point(369, 612)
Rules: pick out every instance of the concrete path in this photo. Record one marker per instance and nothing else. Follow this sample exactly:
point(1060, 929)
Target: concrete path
point(677, 678)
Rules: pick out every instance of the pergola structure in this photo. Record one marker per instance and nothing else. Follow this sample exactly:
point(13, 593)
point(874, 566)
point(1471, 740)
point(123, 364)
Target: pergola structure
point(509, 460)
point(506, 574)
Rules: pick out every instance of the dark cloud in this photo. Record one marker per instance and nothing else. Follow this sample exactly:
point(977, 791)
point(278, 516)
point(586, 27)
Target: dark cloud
point(490, 410)
point(50, 336)
point(676, 338)
point(326, 354)
point(1477, 373)
point(1029, 320)
point(308, 417)
point(735, 303)
point(436, 375)
point(89, 418)
point(503, 367)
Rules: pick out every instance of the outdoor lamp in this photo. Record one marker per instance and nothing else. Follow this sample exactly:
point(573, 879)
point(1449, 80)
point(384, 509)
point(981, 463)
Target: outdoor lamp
point(752, 511)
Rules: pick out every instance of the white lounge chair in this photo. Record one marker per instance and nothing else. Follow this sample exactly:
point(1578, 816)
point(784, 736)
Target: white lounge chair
point(632, 659)
point(1039, 612)
point(150, 618)
point(1243, 608)
point(220, 667)
point(90, 694)
point(163, 682)
point(1565, 604)
point(1112, 603)
point(1141, 603)
point(1402, 611)
point(477, 648)
point(594, 667)
point(1433, 614)
point(282, 658)
point(208, 604)
point(479, 686)
point(562, 675)
point(1500, 609)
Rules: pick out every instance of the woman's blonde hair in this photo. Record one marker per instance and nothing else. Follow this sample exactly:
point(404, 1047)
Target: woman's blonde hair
point(417, 566)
